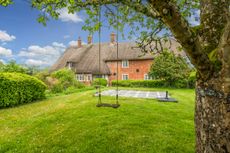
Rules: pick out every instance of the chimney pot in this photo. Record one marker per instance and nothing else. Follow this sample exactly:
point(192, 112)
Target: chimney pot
point(112, 37)
point(89, 39)
point(79, 42)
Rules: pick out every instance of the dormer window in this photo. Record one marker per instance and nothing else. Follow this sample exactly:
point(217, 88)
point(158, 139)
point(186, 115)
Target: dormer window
point(125, 64)
point(69, 65)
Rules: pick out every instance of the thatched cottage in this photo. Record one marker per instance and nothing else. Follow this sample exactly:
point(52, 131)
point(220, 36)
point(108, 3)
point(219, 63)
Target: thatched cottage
point(84, 61)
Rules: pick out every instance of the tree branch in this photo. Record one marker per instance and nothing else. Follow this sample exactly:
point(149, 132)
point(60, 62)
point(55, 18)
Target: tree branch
point(213, 21)
point(185, 35)
point(141, 8)
point(224, 50)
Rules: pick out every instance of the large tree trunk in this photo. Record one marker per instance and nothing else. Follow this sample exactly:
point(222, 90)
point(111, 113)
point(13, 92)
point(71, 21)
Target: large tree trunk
point(212, 116)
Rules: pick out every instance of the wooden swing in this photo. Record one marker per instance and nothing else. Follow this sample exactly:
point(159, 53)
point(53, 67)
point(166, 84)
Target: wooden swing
point(100, 103)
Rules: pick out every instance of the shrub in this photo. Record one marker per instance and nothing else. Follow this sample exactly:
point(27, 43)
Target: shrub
point(192, 79)
point(65, 76)
point(171, 68)
point(42, 75)
point(182, 83)
point(62, 79)
point(12, 66)
point(16, 88)
point(57, 88)
point(100, 81)
point(139, 83)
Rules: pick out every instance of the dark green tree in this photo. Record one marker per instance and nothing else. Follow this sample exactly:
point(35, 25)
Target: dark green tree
point(12, 66)
point(1, 64)
point(170, 67)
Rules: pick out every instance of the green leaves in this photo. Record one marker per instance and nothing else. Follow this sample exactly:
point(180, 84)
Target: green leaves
point(12, 66)
point(17, 88)
point(169, 67)
point(65, 78)
point(5, 3)
point(42, 19)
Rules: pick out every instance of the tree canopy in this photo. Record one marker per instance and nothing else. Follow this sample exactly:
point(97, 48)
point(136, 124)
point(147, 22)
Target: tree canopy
point(170, 67)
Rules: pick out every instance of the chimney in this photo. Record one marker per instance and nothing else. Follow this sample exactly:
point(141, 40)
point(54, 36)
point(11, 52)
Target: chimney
point(112, 37)
point(79, 42)
point(90, 39)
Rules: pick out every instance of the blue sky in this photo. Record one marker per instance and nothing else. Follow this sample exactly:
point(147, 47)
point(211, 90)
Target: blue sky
point(23, 39)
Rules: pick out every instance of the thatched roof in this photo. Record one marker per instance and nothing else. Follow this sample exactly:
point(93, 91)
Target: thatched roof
point(86, 58)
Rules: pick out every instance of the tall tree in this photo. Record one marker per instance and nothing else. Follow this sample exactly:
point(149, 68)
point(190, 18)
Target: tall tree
point(207, 46)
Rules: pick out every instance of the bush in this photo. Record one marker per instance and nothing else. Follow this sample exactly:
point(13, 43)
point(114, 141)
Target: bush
point(182, 83)
point(139, 83)
point(172, 68)
point(100, 81)
point(12, 66)
point(16, 88)
point(65, 76)
point(42, 75)
point(63, 79)
point(57, 88)
point(192, 79)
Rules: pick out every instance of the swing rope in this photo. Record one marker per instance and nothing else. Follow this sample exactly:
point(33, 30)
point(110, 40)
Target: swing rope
point(100, 104)
point(117, 91)
point(99, 55)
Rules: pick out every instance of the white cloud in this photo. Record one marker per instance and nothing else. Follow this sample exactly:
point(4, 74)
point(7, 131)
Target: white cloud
point(66, 36)
point(1, 60)
point(4, 36)
point(42, 55)
point(4, 43)
point(66, 17)
point(35, 62)
point(56, 44)
point(75, 43)
point(5, 51)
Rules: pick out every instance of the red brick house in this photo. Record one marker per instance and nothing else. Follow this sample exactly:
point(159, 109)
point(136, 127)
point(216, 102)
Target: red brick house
point(84, 61)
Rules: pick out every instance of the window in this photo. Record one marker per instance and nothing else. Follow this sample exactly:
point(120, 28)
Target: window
point(70, 65)
point(80, 77)
point(125, 76)
point(147, 77)
point(125, 64)
point(89, 78)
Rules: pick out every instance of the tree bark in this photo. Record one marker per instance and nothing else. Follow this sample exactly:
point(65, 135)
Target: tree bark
point(212, 116)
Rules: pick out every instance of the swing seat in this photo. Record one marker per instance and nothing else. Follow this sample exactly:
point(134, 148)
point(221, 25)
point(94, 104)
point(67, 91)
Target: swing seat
point(108, 105)
point(167, 100)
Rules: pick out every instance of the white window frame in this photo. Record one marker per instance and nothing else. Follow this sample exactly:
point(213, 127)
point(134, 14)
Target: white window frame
point(125, 75)
point(70, 65)
point(147, 77)
point(80, 77)
point(88, 78)
point(125, 64)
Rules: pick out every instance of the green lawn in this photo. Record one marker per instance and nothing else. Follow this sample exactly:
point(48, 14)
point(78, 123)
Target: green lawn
point(72, 123)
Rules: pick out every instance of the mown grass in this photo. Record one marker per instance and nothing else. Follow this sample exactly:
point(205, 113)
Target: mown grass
point(72, 123)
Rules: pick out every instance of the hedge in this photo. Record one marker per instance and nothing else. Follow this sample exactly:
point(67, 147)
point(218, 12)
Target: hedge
point(100, 81)
point(139, 83)
point(17, 88)
point(192, 79)
point(183, 83)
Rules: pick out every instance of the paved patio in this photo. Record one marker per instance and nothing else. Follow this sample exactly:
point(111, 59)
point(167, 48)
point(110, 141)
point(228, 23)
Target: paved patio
point(135, 94)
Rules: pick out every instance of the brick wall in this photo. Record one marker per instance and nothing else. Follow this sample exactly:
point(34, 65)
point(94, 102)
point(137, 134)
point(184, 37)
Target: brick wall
point(135, 71)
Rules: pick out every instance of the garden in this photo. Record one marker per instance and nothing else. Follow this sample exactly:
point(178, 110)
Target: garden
point(73, 123)
point(44, 111)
